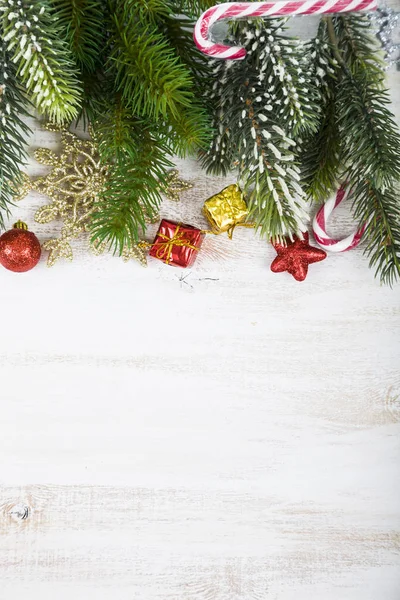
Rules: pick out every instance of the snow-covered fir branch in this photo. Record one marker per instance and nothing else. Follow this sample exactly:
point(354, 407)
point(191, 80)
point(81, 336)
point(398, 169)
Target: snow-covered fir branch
point(283, 75)
point(42, 58)
point(261, 106)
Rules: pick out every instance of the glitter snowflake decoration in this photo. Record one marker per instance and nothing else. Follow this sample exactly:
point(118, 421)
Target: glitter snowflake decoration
point(73, 185)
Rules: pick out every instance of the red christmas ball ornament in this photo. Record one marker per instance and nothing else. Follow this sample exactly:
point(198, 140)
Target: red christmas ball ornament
point(295, 257)
point(19, 249)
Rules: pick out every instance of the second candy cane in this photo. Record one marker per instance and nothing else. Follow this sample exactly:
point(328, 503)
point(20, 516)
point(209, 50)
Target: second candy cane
point(242, 10)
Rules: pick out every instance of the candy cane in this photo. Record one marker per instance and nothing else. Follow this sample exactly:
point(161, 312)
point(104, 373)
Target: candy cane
point(321, 219)
point(240, 10)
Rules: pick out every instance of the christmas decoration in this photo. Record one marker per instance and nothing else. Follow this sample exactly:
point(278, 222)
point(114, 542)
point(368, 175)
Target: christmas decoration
point(293, 118)
point(295, 257)
point(321, 220)
point(226, 209)
point(177, 244)
point(136, 251)
point(263, 103)
point(297, 117)
point(386, 20)
point(74, 185)
point(240, 10)
point(127, 68)
point(44, 60)
point(13, 129)
point(174, 185)
point(19, 249)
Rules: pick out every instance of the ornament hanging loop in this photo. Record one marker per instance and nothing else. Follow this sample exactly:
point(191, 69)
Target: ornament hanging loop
point(279, 8)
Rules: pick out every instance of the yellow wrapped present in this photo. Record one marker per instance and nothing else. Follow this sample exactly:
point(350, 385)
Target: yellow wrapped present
point(226, 209)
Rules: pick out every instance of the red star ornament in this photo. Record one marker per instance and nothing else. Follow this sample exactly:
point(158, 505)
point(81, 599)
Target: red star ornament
point(295, 257)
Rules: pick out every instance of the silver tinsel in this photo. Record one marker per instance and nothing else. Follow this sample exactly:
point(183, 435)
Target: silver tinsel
point(386, 21)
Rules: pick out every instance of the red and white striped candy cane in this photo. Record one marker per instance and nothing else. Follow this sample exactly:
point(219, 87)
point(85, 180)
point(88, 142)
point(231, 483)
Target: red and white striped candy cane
point(280, 8)
point(321, 219)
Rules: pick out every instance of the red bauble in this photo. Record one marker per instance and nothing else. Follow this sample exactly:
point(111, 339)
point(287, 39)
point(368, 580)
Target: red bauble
point(19, 249)
point(295, 257)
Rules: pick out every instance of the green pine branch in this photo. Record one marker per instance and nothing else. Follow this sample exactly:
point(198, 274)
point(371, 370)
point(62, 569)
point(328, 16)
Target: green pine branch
point(359, 49)
point(368, 130)
point(370, 142)
point(149, 76)
point(321, 160)
point(82, 23)
point(45, 65)
point(146, 108)
point(380, 210)
point(13, 131)
point(137, 174)
point(178, 31)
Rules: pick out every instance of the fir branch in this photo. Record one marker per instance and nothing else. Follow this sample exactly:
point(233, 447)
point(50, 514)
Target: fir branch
point(133, 193)
point(148, 11)
point(13, 131)
point(358, 49)
point(284, 75)
point(148, 74)
point(321, 152)
point(187, 133)
point(381, 211)
point(45, 64)
point(321, 160)
point(368, 130)
point(178, 31)
point(83, 25)
point(370, 144)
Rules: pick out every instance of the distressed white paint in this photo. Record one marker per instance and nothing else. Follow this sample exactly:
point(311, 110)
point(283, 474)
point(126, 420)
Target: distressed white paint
point(230, 436)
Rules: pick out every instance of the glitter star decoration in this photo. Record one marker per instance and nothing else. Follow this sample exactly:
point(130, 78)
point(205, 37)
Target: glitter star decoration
point(175, 185)
point(73, 186)
point(295, 257)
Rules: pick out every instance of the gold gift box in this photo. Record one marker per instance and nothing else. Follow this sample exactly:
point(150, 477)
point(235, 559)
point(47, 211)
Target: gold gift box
point(226, 209)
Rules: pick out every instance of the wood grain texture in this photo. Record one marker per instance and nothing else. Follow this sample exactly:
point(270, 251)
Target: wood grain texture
point(222, 433)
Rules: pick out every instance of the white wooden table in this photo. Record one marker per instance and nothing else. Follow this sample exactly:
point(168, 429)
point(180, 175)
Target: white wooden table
point(233, 435)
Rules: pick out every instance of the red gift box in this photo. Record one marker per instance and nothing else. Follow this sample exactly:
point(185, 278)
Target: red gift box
point(177, 244)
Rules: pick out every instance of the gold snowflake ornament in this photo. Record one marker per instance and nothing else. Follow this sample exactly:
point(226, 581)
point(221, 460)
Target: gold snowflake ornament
point(73, 186)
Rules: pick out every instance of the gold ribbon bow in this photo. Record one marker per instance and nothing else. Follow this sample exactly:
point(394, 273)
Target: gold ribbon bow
point(164, 249)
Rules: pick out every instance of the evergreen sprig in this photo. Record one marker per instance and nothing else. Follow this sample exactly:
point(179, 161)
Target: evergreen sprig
point(13, 130)
point(380, 211)
point(320, 157)
point(45, 64)
point(151, 79)
point(133, 193)
point(369, 142)
point(83, 24)
point(149, 108)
